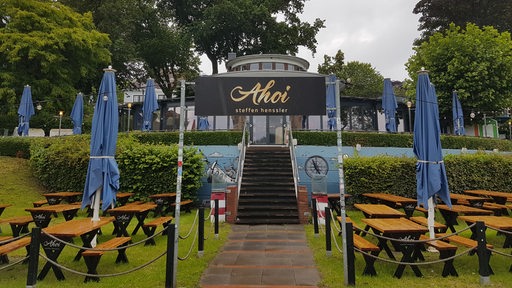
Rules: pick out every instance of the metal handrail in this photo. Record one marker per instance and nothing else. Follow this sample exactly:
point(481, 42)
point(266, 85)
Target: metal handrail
point(293, 159)
point(241, 158)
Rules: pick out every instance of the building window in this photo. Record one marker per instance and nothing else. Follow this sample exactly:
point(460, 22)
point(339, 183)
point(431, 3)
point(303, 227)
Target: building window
point(254, 66)
point(266, 66)
point(279, 66)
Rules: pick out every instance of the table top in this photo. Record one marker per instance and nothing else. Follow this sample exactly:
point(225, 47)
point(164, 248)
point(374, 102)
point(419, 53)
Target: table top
point(379, 211)
point(163, 195)
point(390, 197)
point(498, 222)
point(134, 208)
point(4, 205)
point(124, 194)
point(489, 193)
point(77, 227)
point(463, 209)
point(54, 208)
point(467, 197)
point(395, 225)
point(62, 194)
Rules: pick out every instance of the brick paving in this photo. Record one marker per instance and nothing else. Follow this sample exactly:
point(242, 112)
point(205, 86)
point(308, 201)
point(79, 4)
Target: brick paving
point(264, 256)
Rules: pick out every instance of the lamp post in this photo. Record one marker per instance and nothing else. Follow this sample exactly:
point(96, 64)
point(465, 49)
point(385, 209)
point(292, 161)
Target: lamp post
point(128, 122)
point(510, 129)
point(409, 105)
point(60, 120)
point(485, 126)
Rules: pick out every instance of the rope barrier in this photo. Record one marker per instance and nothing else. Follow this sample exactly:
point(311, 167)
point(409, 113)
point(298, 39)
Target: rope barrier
point(191, 227)
point(190, 250)
point(12, 264)
point(334, 222)
point(103, 275)
point(499, 252)
point(13, 239)
point(499, 230)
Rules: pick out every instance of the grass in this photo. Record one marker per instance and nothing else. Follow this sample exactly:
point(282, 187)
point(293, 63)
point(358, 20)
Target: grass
point(20, 188)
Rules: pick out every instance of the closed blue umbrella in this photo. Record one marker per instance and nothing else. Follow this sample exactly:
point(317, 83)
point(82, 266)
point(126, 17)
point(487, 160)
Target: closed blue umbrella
point(25, 111)
point(77, 114)
point(389, 105)
point(458, 116)
point(430, 170)
point(330, 102)
point(150, 105)
point(103, 174)
point(203, 123)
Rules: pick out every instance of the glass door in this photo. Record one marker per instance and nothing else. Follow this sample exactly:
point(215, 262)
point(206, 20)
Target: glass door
point(267, 130)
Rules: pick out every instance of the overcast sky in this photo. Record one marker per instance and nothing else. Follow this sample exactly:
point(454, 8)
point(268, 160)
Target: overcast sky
point(371, 31)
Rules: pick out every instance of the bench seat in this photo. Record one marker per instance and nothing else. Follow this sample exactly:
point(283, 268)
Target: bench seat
point(461, 240)
point(40, 203)
point(446, 250)
point(92, 256)
point(150, 228)
point(19, 224)
point(497, 209)
point(12, 246)
point(367, 246)
point(186, 204)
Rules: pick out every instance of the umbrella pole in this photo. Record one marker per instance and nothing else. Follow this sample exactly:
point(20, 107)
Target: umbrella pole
point(431, 215)
point(96, 205)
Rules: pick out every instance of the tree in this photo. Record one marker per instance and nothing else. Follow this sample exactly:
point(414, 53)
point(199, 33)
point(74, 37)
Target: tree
point(48, 46)
point(475, 62)
point(436, 15)
point(244, 26)
point(144, 42)
point(365, 81)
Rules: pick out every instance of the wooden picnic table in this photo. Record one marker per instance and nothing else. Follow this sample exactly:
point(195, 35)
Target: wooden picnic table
point(334, 201)
point(498, 222)
point(463, 199)
point(42, 215)
point(378, 211)
point(394, 201)
point(450, 215)
point(498, 197)
point(3, 206)
point(57, 197)
point(124, 214)
point(164, 202)
point(401, 229)
point(84, 228)
point(122, 197)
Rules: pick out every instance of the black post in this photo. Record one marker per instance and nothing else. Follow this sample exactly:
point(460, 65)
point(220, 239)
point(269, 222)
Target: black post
point(33, 255)
point(328, 248)
point(216, 214)
point(484, 269)
point(169, 269)
point(200, 241)
point(315, 216)
point(351, 269)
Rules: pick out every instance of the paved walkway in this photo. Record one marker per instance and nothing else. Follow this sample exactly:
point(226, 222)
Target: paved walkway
point(264, 256)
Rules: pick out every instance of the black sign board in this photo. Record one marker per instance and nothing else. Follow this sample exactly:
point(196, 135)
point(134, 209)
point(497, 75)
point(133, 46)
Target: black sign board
point(260, 96)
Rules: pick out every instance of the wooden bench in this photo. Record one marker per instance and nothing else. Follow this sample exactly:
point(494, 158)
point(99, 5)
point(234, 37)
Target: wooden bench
point(186, 204)
point(422, 210)
point(4, 239)
point(92, 257)
point(446, 250)
point(12, 246)
point(356, 229)
point(367, 246)
point(40, 203)
point(497, 209)
point(150, 228)
point(19, 224)
point(461, 240)
point(134, 203)
point(438, 227)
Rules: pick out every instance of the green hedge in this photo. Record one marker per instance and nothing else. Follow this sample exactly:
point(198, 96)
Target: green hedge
point(145, 169)
point(397, 175)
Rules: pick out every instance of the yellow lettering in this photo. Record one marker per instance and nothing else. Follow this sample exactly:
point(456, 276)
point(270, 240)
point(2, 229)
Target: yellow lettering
point(260, 95)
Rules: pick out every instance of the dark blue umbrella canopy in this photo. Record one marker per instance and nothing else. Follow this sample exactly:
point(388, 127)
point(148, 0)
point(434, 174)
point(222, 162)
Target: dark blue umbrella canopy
point(103, 171)
point(25, 111)
point(150, 105)
point(77, 114)
point(389, 105)
point(458, 115)
point(203, 123)
point(330, 101)
point(430, 170)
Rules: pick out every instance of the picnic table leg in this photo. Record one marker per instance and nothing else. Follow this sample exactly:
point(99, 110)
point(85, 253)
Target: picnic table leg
point(448, 268)
point(86, 240)
point(450, 219)
point(52, 249)
point(409, 210)
point(70, 214)
point(121, 224)
point(140, 217)
point(384, 246)
point(407, 251)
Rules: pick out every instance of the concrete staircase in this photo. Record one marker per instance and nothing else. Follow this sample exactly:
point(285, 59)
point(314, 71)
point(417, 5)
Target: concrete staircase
point(267, 192)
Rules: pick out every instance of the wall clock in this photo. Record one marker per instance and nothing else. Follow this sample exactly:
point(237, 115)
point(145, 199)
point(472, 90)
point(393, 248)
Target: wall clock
point(316, 166)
